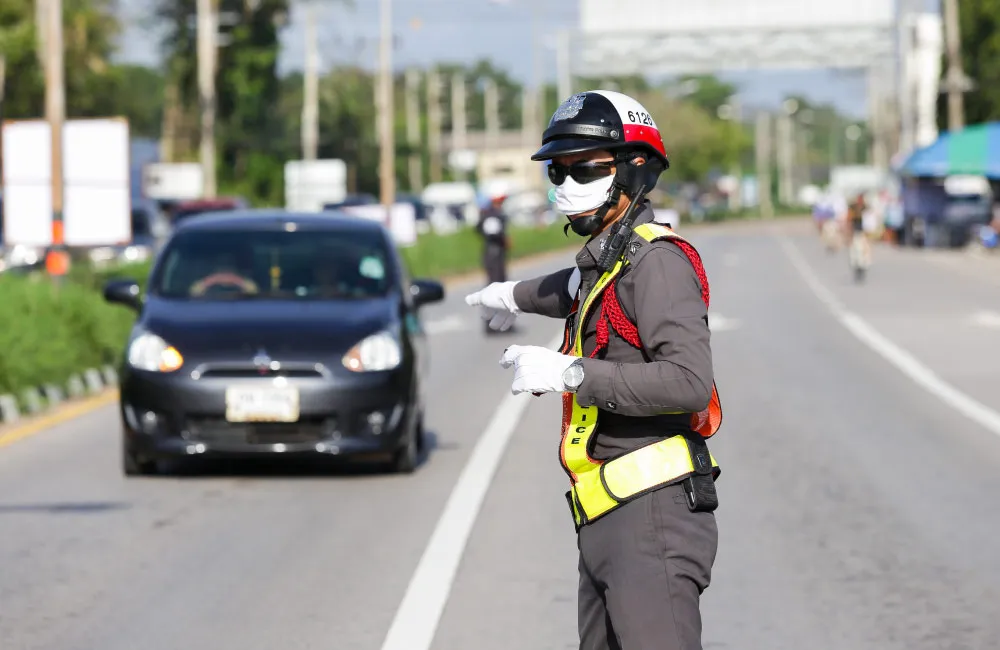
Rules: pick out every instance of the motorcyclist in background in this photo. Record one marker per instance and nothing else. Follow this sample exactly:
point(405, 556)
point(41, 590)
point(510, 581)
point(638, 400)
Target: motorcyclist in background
point(492, 227)
point(859, 246)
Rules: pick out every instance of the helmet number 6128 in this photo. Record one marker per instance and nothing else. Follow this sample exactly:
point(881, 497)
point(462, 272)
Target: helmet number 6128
point(638, 117)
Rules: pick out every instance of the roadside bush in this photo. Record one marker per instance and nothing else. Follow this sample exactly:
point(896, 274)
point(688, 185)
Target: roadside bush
point(48, 333)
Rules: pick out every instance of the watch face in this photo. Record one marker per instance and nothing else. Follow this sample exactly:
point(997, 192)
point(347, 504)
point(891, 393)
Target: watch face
point(573, 376)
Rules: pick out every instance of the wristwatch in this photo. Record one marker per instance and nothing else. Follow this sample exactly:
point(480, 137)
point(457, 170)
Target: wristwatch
point(573, 376)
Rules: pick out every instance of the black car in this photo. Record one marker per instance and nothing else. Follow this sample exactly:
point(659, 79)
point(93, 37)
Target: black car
point(267, 332)
point(352, 200)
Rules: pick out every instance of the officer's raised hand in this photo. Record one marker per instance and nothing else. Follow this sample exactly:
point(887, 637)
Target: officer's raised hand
point(538, 370)
point(497, 303)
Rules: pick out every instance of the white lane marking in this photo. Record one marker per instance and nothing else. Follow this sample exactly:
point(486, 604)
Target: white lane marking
point(719, 323)
point(418, 615)
point(987, 319)
point(447, 324)
point(897, 356)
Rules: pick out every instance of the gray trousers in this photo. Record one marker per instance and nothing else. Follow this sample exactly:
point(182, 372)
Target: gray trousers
point(643, 568)
point(495, 263)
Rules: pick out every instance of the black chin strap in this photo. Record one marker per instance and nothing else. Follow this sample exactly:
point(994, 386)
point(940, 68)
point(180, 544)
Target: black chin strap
point(602, 212)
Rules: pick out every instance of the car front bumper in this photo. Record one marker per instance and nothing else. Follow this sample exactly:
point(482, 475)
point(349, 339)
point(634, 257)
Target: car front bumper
point(166, 416)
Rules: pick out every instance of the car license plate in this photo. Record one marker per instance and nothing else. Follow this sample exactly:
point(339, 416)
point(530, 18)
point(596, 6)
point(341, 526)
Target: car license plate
point(262, 405)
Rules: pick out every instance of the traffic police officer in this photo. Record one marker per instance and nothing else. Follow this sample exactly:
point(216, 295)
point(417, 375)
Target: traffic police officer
point(492, 227)
point(635, 371)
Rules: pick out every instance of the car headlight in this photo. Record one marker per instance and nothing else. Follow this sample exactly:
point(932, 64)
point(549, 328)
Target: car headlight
point(150, 352)
point(379, 351)
point(135, 254)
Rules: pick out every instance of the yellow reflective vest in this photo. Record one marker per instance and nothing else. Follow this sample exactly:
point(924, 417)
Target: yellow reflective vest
point(598, 487)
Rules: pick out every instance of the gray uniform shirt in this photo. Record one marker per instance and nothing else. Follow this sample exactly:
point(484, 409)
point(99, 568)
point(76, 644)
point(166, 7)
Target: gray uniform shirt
point(661, 294)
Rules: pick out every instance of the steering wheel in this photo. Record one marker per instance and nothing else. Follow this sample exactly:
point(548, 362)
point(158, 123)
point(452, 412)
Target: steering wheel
point(223, 280)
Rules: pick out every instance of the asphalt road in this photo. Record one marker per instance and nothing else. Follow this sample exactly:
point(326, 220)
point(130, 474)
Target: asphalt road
point(860, 508)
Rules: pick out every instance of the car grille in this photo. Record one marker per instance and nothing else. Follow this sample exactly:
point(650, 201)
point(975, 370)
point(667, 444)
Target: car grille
point(219, 431)
point(251, 371)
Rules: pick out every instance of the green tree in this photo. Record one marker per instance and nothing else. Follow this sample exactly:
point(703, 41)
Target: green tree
point(138, 96)
point(90, 29)
point(249, 135)
point(705, 91)
point(980, 28)
point(697, 142)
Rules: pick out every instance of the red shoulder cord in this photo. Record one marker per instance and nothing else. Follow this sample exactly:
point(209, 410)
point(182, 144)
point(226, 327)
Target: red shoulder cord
point(613, 315)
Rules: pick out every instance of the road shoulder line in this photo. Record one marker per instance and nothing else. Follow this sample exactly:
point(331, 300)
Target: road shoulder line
point(62, 414)
point(416, 621)
point(903, 360)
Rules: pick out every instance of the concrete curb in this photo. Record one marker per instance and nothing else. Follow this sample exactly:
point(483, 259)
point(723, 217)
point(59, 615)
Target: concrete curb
point(41, 399)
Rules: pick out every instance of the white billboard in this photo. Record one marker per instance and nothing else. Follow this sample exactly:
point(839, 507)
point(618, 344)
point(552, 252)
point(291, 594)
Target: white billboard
point(97, 206)
point(674, 16)
point(402, 221)
point(173, 181)
point(309, 184)
point(705, 36)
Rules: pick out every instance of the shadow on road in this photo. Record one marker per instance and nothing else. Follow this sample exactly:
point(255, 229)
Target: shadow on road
point(82, 508)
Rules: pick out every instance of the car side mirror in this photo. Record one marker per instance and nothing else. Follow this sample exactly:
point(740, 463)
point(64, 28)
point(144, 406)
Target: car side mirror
point(124, 292)
point(425, 292)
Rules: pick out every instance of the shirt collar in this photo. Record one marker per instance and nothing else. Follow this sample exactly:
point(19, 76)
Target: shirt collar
point(588, 256)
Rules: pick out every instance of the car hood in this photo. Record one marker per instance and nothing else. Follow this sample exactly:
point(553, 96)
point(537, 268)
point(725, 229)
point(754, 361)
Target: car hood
point(280, 327)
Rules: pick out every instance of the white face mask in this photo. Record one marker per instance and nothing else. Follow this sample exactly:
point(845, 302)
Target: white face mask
point(574, 198)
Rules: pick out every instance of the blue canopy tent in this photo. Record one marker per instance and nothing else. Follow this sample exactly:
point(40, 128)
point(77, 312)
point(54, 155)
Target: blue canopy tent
point(974, 150)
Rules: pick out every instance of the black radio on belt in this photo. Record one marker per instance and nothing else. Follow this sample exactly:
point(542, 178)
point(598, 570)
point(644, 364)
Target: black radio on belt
point(700, 486)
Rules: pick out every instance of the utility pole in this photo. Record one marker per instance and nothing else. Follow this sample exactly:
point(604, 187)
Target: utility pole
point(207, 42)
point(528, 135)
point(538, 100)
point(905, 75)
point(413, 130)
point(434, 124)
point(491, 99)
point(563, 66)
point(387, 145)
point(3, 80)
point(310, 103)
point(762, 147)
point(876, 121)
point(785, 161)
point(737, 112)
point(803, 168)
point(955, 76)
point(41, 29)
point(57, 260)
point(458, 118)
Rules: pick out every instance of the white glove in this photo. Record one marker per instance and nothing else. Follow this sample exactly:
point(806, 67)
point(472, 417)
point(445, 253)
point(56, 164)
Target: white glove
point(536, 369)
point(497, 302)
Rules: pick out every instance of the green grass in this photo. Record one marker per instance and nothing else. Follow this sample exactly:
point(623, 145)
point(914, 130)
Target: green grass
point(436, 256)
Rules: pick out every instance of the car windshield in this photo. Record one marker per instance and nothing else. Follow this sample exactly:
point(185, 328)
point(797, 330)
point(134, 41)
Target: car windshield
point(244, 265)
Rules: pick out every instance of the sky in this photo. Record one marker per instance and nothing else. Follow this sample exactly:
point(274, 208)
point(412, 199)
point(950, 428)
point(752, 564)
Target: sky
point(431, 31)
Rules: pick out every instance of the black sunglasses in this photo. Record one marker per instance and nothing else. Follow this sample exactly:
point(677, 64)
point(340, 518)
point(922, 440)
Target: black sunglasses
point(582, 171)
